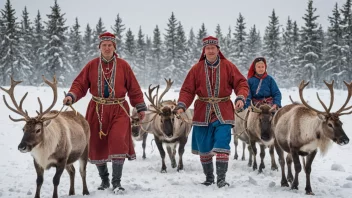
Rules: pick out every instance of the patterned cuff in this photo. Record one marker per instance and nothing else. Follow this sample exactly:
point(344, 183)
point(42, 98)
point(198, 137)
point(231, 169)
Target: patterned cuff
point(181, 105)
point(240, 97)
point(72, 96)
point(141, 107)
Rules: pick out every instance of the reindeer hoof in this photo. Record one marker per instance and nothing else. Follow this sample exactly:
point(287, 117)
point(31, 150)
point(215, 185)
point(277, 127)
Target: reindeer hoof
point(255, 167)
point(85, 192)
point(163, 171)
point(235, 157)
point(144, 157)
point(243, 158)
point(294, 187)
point(249, 164)
point(71, 193)
point(274, 168)
point(284, 184)
point(309, 193)
point(290, 179)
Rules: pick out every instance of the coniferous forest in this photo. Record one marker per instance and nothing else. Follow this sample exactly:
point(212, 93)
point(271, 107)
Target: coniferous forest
point(31, 48)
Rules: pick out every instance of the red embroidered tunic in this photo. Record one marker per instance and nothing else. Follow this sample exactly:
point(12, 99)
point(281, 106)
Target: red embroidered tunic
point(118, 143)
point(197, 83)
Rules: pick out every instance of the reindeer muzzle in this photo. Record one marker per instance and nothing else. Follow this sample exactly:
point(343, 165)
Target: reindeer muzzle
point(343, 140)
point(23, 147)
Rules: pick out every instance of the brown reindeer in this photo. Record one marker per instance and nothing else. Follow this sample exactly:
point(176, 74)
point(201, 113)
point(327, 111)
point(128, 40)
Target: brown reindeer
point(168, 128)
point(258, 131)
point(300, 130)
point(140, 130)
point(55, 139)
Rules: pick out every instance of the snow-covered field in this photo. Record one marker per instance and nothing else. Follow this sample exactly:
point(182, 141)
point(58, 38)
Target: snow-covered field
point(331, 174)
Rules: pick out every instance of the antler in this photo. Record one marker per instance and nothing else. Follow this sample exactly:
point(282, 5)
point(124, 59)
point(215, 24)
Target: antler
point(53, 86)
point(349, 88)
point(255, 109)
point(331, 88)
point(18, 109)
point(168, 86)
point(152, 99)
point(301, 87)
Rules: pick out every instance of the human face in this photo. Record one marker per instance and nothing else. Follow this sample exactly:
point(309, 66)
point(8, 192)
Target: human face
point(260, 67)
point(107, 49)
point(211, 51)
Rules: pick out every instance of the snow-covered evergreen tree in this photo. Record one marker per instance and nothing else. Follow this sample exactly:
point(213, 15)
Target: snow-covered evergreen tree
point(346, 25)
point(170, 44)
point(239, 53)
point(90, 48)
point(157, 58)
point(182, 60)
point(148, 60)
point(254, 46)
point(56, 60)
point(76, 48)
point(310, 47)
point(192, 47)
point(118, 30)
point(202, 33)
point(12, 61)
point(219, 35)
point(271, 46)
point(140, 60)
point(37, 49)
point(227, 46)
point(130, 48)
point(99, 29)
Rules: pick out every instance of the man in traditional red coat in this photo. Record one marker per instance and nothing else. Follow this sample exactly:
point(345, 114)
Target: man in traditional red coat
point(212, 79)
point(108, 78)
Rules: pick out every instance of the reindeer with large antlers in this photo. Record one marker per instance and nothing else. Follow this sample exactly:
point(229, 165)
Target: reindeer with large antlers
point(167, 127)
point(54, 138)
point(301, 129)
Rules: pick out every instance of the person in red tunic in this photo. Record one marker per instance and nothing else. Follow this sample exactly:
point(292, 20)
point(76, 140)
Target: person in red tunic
point(108, 78)
point(212, 80)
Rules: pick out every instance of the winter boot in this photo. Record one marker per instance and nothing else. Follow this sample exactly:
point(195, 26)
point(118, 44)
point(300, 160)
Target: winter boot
point(208, 170)
point(221, 169)
point(116, 177)
point(104, 175)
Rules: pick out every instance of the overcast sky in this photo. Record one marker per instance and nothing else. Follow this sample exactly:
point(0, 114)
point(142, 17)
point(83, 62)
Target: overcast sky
point(191, 13)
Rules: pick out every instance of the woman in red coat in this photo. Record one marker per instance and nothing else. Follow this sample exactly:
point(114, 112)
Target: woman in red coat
point(108, 78)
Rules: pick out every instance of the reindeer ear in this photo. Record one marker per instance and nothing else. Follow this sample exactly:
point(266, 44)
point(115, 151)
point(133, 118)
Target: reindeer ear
point(321, 117)
point(46, 123)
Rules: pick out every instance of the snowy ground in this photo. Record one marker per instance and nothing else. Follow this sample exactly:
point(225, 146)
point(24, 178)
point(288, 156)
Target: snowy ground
point(142, 178)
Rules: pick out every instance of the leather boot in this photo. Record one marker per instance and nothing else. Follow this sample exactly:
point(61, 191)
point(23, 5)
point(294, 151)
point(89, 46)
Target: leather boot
point(116, 177)
point(221, 169)
point(104, 175)
point(208, 170)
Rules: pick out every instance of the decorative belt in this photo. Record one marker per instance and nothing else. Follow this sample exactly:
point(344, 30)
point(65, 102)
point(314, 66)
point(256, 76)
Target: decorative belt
point(108, 101)
point(213, 100)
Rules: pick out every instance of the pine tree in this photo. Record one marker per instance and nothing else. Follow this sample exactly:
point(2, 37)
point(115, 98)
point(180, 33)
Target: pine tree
point(157, 57)
point(170, 40)
point(56, 60)
point(239, 54)
point(227, 47)
point(118, 29)
point(140, 61)
point(346, 25)
point(38, 48)
point(27, 41)
point(76, 46)
point(149, 60)
point(254, 46)
point(12, 61)
point(192, 47)
point(271, 47)
point(90, 48)
point(182, 61)
point(99, 29)
point(219, 35)
point(309, 48)
point(202, 33)
point(130, 48)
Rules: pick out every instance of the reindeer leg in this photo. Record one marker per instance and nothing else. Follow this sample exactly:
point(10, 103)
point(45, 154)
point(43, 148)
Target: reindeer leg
point(280, 153)
point(308, 168)
point(243, 151)
point(262, 155)
point(56, 180)
point(83, 170)
point(40, 173)
point(172, 156)
point(145, 135)
point(250, 160)
point(181, 150)
point(289, 167)
point(254, 149)
point(235, 141)
point(159, 144)
point(272, 156)
point(71, 171)
point(298, 168)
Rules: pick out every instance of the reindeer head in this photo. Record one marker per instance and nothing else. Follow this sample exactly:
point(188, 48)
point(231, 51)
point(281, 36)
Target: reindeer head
point(164, 109)
point(265, 114)
point(34, 128)
point(331, 124)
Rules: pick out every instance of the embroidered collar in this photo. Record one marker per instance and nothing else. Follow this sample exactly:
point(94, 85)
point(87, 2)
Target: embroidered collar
point(107, 61)
point(215, 63)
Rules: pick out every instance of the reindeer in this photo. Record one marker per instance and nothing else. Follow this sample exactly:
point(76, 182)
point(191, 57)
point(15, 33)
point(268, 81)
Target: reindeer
point(300, 130)
point(54, 138)
point(239, 132)
point(168, 128)
point(140, 130)
point(258, 131)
